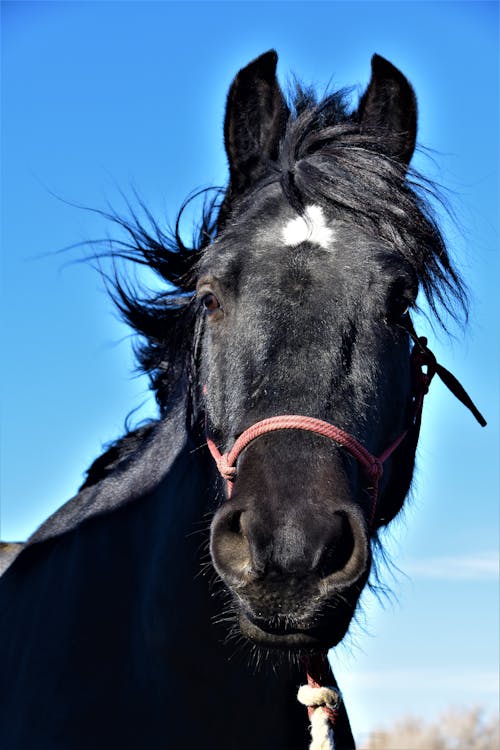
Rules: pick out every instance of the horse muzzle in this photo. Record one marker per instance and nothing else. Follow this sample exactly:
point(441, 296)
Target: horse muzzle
point(323, 624)
point(295, 580)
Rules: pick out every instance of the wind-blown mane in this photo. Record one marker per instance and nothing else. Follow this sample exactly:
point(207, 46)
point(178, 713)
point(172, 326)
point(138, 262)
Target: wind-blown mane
point(163, 319)
point(324, 158)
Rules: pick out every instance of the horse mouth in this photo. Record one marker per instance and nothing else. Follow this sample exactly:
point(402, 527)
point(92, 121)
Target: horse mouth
point(290, 638)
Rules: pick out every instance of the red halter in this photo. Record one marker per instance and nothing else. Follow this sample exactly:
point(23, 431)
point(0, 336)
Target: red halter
point(421, 356)
point(372, 466)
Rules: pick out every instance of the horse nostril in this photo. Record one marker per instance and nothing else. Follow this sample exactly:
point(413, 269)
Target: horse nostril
point(229, 546)
point(234, 523)
point(246, 551)
point(338, 548)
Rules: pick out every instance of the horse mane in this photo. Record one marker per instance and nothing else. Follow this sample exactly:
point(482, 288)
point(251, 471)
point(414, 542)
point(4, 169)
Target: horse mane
point(164, 319)
point(324, 158)
point(115, 455)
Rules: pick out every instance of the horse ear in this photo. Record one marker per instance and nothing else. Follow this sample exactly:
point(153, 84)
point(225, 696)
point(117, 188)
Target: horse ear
point(388, 109)
point(256, 115)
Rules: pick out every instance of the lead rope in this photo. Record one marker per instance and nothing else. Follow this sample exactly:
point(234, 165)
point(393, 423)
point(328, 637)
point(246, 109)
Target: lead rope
point(322, 702)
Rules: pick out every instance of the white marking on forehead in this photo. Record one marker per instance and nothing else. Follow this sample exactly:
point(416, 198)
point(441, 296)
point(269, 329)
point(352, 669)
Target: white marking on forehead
point(311, 227)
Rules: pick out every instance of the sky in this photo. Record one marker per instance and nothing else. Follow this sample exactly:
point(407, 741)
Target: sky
point(104, 99)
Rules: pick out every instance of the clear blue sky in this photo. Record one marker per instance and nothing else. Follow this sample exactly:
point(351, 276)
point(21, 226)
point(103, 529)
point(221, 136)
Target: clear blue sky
point(102, 96)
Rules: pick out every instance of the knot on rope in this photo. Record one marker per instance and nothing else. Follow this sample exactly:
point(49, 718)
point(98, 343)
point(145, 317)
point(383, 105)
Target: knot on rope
point(227, 472)
point(376, 469)
point(322, 704)
point(423, 357)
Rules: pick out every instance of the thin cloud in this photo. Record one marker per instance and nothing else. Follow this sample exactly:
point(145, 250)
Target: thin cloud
point(478, 567)
point(425, 680)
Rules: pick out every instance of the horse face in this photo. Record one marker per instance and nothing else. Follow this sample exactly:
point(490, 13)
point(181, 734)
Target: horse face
point(302, 315)
point(301, 327)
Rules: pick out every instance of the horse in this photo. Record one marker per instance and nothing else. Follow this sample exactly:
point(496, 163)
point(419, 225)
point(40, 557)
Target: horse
point(215, 553)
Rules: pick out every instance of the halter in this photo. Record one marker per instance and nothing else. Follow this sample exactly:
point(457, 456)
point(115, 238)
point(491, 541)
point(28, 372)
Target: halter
point(323, 702)
point(373, 466)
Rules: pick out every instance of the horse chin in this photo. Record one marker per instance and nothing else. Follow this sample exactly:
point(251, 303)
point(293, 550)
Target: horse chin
point(310, 639)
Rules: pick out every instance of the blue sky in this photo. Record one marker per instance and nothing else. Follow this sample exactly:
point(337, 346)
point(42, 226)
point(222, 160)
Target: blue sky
point(99, 97)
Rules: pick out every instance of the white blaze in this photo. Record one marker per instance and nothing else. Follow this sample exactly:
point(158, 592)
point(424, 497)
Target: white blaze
point(311, 227)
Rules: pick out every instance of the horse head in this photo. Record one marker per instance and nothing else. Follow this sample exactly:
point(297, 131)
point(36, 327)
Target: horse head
point(304, 300)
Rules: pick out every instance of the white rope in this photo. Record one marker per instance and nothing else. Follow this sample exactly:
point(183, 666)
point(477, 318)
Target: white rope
point(319, 698)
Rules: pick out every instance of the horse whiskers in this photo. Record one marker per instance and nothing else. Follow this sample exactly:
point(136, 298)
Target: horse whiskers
point(234, 637)
point(206, 568)
point(228, 614)
point(204, 530)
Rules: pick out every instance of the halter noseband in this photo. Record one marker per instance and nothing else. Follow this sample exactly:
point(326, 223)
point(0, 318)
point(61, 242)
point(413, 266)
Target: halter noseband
point(373, 466)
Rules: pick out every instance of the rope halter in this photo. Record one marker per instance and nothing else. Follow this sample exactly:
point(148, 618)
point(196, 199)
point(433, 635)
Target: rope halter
point(373, 466)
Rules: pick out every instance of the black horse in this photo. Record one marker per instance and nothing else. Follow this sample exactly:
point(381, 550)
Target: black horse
point(281, 342)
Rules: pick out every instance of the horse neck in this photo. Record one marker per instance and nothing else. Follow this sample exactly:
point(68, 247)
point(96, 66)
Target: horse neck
point(179, 610)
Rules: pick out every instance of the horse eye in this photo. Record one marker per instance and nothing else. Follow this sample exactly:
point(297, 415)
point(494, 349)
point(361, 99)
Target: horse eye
point(398, 308)
point(402, 307)
point(210, 302)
